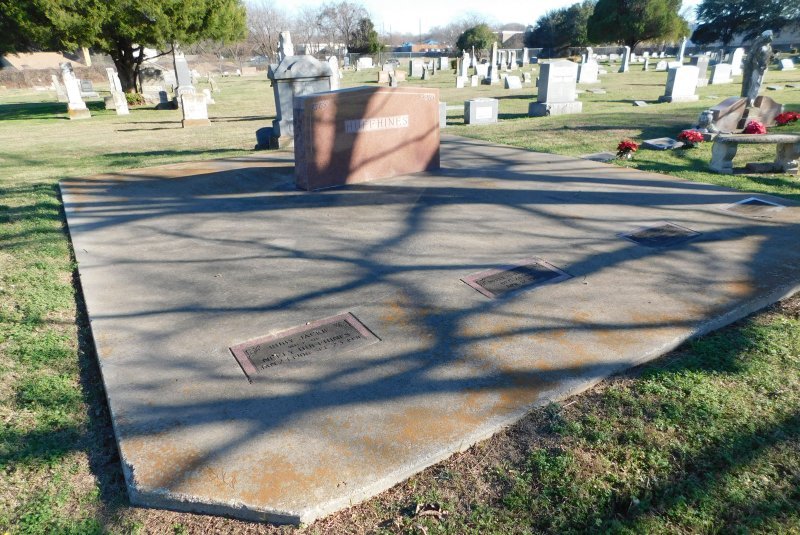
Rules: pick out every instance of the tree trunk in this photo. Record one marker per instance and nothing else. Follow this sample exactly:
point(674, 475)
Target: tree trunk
point(128, 60)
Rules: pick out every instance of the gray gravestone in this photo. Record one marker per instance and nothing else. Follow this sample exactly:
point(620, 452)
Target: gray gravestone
point(480, 111)
point(87, 89)
point(701, 62)
point(61, 92)
point(661, 143)
point(442, 114)
point(183, 75)
point(556, 95)
point(294, 76)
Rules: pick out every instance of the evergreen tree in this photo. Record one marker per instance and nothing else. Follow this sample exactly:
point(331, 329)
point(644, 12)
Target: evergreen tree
point(120, 28)
point(365, 39)
point(632, 21)
point(480, 36)
point(561, 28)
point(721, 20)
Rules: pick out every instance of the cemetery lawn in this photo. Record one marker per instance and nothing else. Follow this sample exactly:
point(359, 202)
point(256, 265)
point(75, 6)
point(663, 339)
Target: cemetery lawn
point(705, 439)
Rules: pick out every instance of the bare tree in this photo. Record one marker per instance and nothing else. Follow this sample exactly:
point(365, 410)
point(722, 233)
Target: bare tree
point(306, 29)
point(449, 34)
point(341, 20)
point(239, 51)
point(265, 23)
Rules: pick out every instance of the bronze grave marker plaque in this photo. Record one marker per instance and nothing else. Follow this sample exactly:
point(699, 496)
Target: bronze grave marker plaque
point(660, 235)
point(324, 337)
point(508, 279)
point(753, 206)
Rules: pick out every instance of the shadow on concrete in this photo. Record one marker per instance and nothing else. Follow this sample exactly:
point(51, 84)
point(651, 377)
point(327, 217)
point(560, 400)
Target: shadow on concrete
point(253, 192)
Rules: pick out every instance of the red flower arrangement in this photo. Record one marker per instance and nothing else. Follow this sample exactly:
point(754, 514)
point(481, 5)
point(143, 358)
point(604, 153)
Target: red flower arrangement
point(754, 127)
point(787, 117)
point(626, 148)
point(690, 138)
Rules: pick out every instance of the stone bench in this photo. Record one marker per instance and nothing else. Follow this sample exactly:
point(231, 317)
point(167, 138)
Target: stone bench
point(786, 159)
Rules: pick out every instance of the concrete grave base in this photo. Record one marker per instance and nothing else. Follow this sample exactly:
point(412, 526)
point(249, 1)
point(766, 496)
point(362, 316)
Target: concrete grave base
point(189, 123)
point(281, 142)
point(688, 98)
point(541, 109)
point(79, 113)
point(180, 263)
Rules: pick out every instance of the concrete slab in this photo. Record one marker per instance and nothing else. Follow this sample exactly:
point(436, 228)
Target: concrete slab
point(181, 263)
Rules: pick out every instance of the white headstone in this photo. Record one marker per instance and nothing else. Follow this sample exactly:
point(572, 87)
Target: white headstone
point(113, 80)
point(364, 63)
point(474, 80)
point(61, 92)
point(76, 108)
point(120, 102)
point(333, 61)
point(463, 71)
point(682, 51)
point(493, 74)
point(588, 72)
point(513, 82)
point(681, 84)
point(787, 64)
point(195, 111)
point(736, 61)
point(626, 60)
point(459, 82)
point(285, 46)
point(721, 74)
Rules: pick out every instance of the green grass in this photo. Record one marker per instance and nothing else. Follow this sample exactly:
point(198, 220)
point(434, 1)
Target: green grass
point(706, 440)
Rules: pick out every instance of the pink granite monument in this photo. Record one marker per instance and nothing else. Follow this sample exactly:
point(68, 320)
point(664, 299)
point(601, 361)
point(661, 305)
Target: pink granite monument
point(364, 133)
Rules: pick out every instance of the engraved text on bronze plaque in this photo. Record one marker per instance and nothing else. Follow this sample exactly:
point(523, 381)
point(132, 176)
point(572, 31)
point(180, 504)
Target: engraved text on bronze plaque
point(325, 337)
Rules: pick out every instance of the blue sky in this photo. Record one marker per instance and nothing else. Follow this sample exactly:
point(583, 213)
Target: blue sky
point(407, 15)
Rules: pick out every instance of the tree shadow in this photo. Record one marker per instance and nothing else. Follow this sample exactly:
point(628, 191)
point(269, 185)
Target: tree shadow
point(174, 228)
point(33, 110)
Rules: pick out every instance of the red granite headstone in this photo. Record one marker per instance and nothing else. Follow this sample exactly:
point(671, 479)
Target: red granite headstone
point(364, 133)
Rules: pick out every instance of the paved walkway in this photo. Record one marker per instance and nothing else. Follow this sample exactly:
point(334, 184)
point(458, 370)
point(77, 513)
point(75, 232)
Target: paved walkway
point(181, 263)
